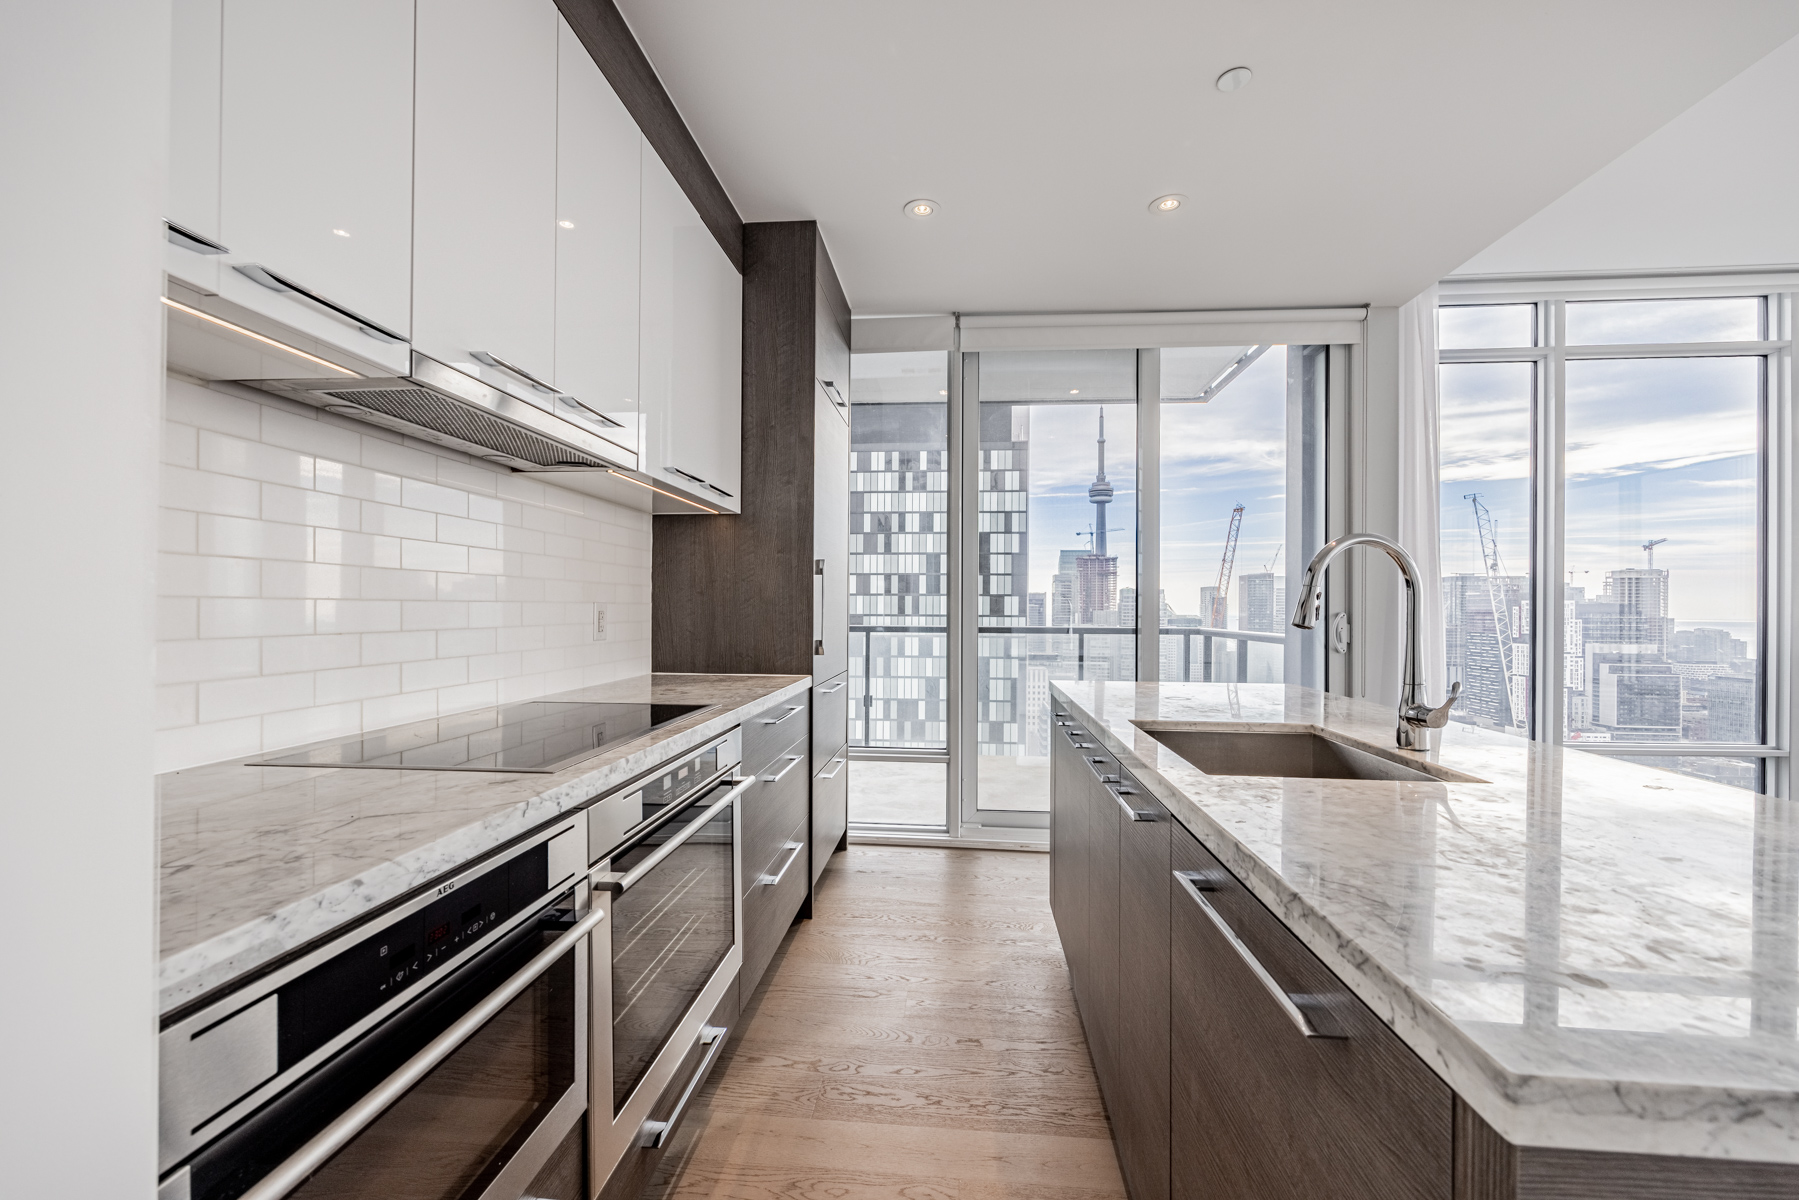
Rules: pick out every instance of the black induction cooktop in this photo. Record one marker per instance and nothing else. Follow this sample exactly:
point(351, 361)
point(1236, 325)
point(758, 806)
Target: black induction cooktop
point(540, 736)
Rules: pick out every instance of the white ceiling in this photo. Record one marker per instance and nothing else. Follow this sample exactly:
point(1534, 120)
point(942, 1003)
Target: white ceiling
point(1380, 145)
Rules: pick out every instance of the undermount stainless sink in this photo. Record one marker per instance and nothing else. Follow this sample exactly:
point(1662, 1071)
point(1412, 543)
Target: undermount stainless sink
point(1291, 756)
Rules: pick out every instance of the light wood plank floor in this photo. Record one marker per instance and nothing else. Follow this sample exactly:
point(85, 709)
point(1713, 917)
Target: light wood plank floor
point(915, 1040)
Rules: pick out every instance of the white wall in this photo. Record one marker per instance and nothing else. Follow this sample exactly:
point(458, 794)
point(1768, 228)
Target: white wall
point(320, 576)
point(83, 104)
point(1714, 187)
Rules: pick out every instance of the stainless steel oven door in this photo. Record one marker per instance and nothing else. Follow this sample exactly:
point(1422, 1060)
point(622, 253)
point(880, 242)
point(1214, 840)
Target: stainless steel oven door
point(463, 1095)
point(662, 961)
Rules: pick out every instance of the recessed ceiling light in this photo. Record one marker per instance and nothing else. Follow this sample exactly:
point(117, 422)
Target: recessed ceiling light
point(943, 392)
point(1235, 79)
point(920, 209)
point(1074, 391)
point(341, 232)
point(566, 224)
point(1166, 203)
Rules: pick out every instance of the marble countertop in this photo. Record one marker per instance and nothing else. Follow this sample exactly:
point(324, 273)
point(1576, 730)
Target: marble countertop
point(1596, 955)
point(256, 861)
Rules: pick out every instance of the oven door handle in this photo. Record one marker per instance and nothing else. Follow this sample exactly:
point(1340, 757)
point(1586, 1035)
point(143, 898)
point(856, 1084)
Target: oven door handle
point(619, 884)
point(655, 1134)
point(335, 1136)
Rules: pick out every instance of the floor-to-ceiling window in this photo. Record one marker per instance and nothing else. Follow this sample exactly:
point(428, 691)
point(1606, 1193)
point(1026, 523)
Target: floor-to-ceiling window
point(1610, 557)
point(899, 589)
point(1223, 513)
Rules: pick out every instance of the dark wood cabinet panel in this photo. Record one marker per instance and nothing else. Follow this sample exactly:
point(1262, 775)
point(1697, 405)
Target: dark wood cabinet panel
point(771, 903)
point(830, 812)
point(1142, 1028)
point(771, 807)
point(1068, 855)
point(1099, 1013)
point(830, 719)
point(773, 732)
point(1258, 1108)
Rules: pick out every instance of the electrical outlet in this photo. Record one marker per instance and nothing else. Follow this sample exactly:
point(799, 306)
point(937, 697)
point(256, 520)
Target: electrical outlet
point(599, 622)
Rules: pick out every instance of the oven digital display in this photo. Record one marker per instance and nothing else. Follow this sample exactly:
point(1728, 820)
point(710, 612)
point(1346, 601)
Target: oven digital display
point(337, 993)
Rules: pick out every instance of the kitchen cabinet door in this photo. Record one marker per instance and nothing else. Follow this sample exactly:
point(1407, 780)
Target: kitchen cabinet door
point(1068, 851)
point(315, 166)
point(484, 275)
point(1258, 1108)
point(1100, 1006)
point(830, 810)
point(690, 347)
point(830, 538)
point(1141, 1031)
point(598, 184)
point(196, 52)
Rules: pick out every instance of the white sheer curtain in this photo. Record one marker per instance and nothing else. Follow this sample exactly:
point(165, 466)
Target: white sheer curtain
point(1418, 486)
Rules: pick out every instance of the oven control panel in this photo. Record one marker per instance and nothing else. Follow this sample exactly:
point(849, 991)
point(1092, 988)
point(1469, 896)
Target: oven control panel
point(612, 818)
point(342, 990)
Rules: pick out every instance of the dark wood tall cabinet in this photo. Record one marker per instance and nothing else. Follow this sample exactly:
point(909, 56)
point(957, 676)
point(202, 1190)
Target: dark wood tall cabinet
point(766, 592)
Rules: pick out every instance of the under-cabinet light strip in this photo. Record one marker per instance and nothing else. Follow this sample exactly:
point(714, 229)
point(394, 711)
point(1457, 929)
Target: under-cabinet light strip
point(250, 333)
point(660, 492)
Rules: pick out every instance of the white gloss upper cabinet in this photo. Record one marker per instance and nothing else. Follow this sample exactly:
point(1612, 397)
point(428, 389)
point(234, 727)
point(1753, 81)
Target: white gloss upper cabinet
point(484, 219)
point(315, 163)
point(691, 347)
point(195, 63)
point(598, 175)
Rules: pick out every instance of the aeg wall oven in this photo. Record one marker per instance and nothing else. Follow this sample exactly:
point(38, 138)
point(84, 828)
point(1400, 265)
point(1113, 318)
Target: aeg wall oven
point(438, 1052)
point(665, 875)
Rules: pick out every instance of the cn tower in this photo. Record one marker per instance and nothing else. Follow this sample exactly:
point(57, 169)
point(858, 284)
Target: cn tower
point(1100, 493)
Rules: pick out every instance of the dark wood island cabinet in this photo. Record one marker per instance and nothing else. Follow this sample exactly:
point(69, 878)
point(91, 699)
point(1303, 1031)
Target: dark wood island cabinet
point(1234, 1063)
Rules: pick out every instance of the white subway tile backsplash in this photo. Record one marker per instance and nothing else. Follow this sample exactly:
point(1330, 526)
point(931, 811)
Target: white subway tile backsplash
point(223, 699)
point(358, 616)
point(358, 683)
point(224, 618)
point(198, 491)
point(245, 538)
point(319, 577)
point(224, 455)
point(432, 673)
point(399, 647)
point(432, 556)
point(316, 652)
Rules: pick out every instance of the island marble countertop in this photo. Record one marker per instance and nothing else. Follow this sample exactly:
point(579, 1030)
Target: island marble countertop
point(1594, 954)
point(259, 860)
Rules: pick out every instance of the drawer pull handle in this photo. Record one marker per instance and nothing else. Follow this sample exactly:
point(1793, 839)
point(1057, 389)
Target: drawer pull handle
point(655, 1134)
point(791, 709)
point(1119, 793)
point(835, 687)
point(839, 763)
point(792, 761)
point(1301, 1020)
point(793, 853)
point(277, 283)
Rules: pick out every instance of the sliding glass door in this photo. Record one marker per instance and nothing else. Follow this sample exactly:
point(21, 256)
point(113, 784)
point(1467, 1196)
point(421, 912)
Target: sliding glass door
point(1054, 533)
point(1020, 517)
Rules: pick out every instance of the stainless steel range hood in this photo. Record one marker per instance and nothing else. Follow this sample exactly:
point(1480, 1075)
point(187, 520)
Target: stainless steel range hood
point(443, 405)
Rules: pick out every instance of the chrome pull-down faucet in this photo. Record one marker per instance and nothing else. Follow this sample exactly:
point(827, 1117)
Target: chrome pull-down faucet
point(1418, 721)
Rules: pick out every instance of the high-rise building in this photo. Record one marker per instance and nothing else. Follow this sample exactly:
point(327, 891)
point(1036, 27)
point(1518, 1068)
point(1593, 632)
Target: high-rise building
point(1262, 601)
point(1036, 609)
point(1490, 693)
point(1096, 588)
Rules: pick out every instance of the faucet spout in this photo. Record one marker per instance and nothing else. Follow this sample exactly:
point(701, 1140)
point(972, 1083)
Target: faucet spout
point(1419, 721)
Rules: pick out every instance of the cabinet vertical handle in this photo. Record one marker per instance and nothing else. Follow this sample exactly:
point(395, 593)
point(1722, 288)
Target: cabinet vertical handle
point(818, 607)
point(1304, 1023)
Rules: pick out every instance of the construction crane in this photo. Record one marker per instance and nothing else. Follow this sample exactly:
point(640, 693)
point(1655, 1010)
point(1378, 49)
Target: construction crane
point(1221, 601)
point(1512, 683)
point(1649, 548)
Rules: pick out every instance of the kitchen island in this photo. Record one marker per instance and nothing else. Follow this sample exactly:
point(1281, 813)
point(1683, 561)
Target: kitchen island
point(1563, 974)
